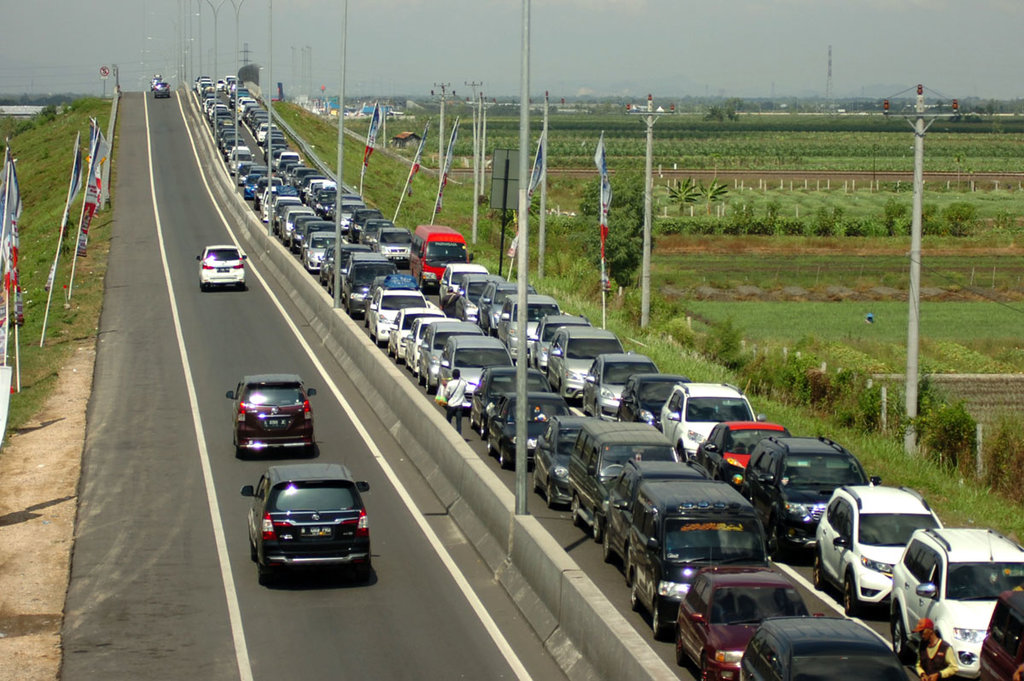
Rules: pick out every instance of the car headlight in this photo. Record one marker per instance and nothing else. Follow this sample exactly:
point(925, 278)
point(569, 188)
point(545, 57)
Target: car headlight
point(728, 656)
point(577, 375)
point(356, 295)
point(646, 416)
point(560, 472)
point(877, 566)
point(802, 512)
point(694, 436)
point(976, 636)
point(672, 589)
point(607, 394)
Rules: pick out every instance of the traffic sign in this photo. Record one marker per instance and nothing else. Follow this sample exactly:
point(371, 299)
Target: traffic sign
point(104, 72)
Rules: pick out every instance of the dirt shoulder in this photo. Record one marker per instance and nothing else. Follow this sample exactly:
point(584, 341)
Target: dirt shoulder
point(39, 471)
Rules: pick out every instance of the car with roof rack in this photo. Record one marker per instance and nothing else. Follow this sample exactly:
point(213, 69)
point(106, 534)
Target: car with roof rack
point(693, 409)
point(860, 538)
point(954, 577)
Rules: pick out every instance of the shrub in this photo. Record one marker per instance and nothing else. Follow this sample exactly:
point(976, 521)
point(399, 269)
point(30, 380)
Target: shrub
point(960, 218)
point(1003, 456)
point(949, 436)
point(896, 217)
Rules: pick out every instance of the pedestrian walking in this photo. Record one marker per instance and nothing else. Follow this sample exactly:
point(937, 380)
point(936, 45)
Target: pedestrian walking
point(935, 659)
point(455, 394)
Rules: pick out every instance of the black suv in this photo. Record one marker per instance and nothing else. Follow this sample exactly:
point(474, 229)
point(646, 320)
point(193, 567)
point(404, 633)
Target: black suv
point(788, 648)
point(494, 381)
point(551, 460)
point(790, 480)
point(643, 396)
point(308, 515)
point(355, 285)
point(622, 493)
point(678, 527)
point(501, 427)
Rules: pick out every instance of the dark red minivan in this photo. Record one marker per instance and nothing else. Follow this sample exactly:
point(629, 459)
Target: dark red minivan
point(272, 410)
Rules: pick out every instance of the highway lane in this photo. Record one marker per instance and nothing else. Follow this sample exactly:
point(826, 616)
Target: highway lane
point(609, 577)
point(147, 597)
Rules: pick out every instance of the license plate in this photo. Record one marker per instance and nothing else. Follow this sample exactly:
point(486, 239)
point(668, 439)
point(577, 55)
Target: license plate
point(275, 423)
point(314, 532)
point(223, 270)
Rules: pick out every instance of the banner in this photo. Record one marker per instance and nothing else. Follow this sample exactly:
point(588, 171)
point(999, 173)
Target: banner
point(538, 169)
point(600, 159)
point(98, 150)
point(419, 154)
point(371, 142)
point(73, 186)
point(447, 167)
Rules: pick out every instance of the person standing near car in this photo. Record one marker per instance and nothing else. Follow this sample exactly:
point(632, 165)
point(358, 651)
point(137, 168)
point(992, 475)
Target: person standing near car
point(454, 395)
point(935, 659)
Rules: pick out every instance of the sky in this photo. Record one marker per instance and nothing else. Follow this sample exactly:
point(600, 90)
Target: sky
point(602, 48)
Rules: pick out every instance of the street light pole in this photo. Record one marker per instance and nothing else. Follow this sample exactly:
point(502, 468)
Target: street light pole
point(216, 10)
point(341, 159)
point(524, 266)
point(268, 93)
point(476, 155)
point(238, 8)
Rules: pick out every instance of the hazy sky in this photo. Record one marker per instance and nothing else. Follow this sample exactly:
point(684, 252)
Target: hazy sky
point(741, 48)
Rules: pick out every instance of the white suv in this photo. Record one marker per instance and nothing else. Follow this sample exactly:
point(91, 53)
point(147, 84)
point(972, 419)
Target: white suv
point(953, 577)
point(862, 535)
point(693, 409)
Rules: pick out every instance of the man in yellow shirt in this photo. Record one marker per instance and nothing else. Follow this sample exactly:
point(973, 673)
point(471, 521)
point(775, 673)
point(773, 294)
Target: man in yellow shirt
point(935, 659)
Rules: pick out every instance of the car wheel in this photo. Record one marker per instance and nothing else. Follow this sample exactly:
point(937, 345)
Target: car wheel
point(900, 645)
point(658, 629)
point(362, 571)
point(419, 378)
point(536, 480)
point(817, 574)
point(550, 494)
point(265, 574)
point(606, 548)
point(774, 543)
point(239, 452)
point(598, 529)
point(504, 460)
point(252, 550)
point(202, 287)
point(488, 449)
point(242, 286)
point(851, 606)
point(634, 595)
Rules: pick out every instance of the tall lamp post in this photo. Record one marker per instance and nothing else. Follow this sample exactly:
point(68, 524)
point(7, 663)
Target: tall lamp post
point(524, 264)
point(237, 5)
point(216, 9)
point(341, 158)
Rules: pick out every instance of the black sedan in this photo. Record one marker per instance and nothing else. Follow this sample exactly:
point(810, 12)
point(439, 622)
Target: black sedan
point(493, 382)
point(644, 395)
point(501, 428)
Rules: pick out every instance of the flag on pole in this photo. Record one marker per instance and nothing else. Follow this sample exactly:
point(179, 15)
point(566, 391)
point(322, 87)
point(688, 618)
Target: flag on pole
point(73, 187)
point(600, 159)
point(371, 142)
point(538, 169)
point(447, 166)
point(97, 155)
point(419, 154)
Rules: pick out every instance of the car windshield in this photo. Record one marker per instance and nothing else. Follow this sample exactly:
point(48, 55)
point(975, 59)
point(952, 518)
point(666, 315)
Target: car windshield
point(395, 237)
point(398, 302)
point(446, 251)
point(713, 541)
point(715, 409)
point(312, 496)
point(275, 396)
point(588, 348)
point(654, 393)
point(879, 667)
point(618, 372)
point(319, 240)
point(892, 529)
point(983, 581)
point(751, 604)
point(540, 411)
point(537, 311)
point(742, 441)
point(221, 254)
point(482, 357)
point(363, 275)
point(822, 471)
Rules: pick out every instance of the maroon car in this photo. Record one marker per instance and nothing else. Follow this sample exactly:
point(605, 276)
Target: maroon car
point(272, 410)
point(722, 610)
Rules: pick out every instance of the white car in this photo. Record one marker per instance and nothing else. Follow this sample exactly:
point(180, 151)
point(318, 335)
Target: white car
point(953, 577)
point(452, 278)
point(221, 265)
point(861, 537)
point(403, 328)
point(382, 315)
point(413, 344)
point(693, 409)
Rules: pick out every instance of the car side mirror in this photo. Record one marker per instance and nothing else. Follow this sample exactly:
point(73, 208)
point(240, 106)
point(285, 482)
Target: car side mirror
point(652, 543)
point(248, 491)
point(311, 391)
point(762, 418)
point(673, 416)
point(199, 257)
point(621, 504)
point(710, 447)
point(697, 617)
point(505, 316)
point(373, 306)
point(445, 363)
point(589, 378)
point(926, 590)
point(875, 480)
point(841, 542)
point(363, 486)
point(230, 394)
point(555, 352)
point(766, 478)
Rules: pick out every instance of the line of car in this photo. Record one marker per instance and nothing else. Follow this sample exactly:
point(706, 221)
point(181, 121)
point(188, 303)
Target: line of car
point(686, 488)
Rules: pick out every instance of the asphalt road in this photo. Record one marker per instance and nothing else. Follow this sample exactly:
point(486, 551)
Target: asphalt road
point(162, 585)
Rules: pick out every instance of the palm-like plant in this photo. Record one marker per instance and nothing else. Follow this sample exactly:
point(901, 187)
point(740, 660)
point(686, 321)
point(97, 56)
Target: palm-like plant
point(684, 192)
point(713, 192)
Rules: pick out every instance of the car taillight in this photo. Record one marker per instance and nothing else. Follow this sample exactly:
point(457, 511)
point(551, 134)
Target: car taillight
point(268, 528)
point(306, 411)
point(238, 266)
point(363, 526)
point(208, 266)
point(241, 411)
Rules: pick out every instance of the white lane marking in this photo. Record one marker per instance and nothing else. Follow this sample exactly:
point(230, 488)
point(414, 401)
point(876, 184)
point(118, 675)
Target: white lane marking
point(824, 598)
point(234, 611)
point(460, 580)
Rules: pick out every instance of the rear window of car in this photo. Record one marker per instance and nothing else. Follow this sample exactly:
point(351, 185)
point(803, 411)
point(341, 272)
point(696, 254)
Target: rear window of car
point(313, 496)
point(623, 453)
point(222, 254)
point(482, 357)
point(274, 395)
point(321, 241)
point(618, 373)
point(395, 237)
point(537, 311)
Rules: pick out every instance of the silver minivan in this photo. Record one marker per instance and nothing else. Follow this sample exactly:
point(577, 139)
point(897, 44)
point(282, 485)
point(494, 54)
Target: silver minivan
point(471, 355)
point(537, 307)
point(433, 343)
point(572, 351)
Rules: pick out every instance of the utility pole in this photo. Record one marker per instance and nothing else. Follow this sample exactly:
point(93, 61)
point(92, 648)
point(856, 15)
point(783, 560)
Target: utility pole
point(917, 122)
point(649, 116)
point(476, 152)
point(216, 64)
point(341, 160)
point(443, 88)
point(524, 265)
point(542, 218)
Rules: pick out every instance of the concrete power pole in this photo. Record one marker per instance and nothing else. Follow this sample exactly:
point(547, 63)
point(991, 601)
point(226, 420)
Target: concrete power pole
point(543, 209)
point(477, 127)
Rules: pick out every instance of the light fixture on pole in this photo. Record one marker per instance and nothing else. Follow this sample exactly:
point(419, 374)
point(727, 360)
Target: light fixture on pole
point(216, 10)
point(341, 159)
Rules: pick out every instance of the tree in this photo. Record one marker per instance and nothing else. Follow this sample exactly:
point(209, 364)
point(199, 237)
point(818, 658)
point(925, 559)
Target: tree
point(713, 192)
point(624, 245)
point(684, 192)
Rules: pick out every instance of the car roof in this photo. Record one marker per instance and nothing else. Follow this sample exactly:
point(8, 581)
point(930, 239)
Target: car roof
point(626, 432)
point(649, 377)
point(711, 390)
point(752, 425)
point(270, 378)
point(476, 342)
point(974, 544)
point(572, 420)
point(586, 332)
point(624, 358)
point(213, 246)
point(308, 471)
point(884, 499)
point(755, 575)
point(807, 445)
point(678, 497)
point(504, 370)
point(824, 635)
point(668, 470)
point(565, 319)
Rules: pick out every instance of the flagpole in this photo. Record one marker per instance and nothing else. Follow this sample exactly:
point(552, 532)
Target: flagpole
point(413, 169)
point(542, 217)
point(17, 359)
point(52, 280)
point(5, 255)
point(78, 235)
